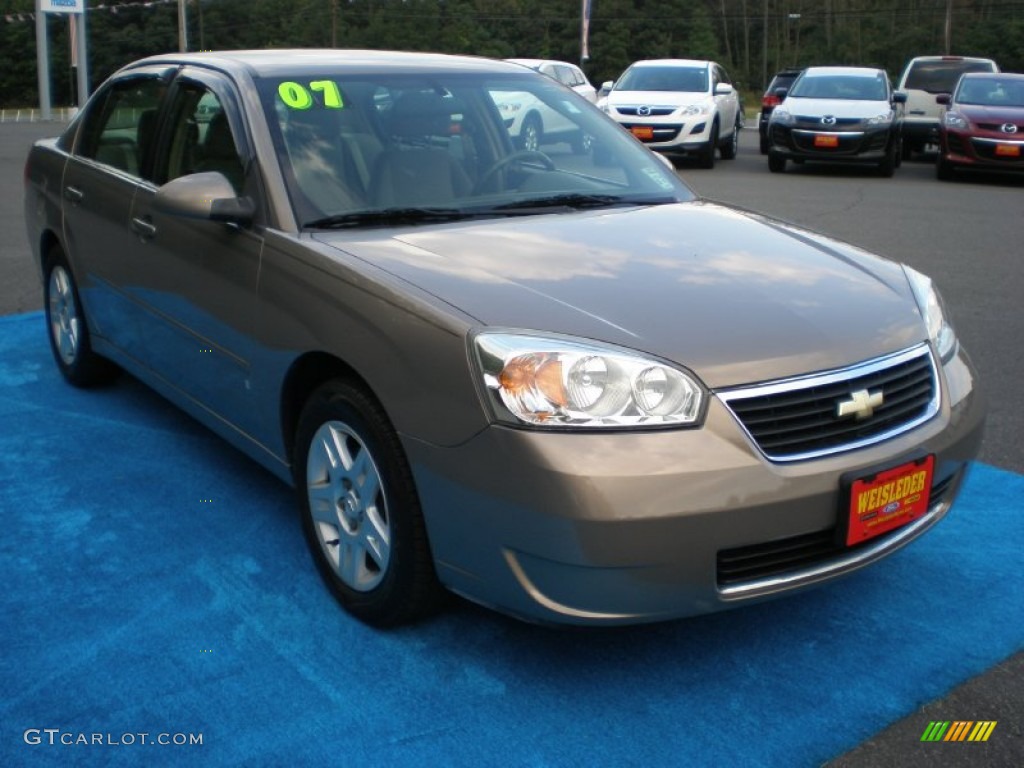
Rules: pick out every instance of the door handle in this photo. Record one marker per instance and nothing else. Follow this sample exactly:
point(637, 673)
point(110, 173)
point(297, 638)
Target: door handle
point(73, 194)
point(143, 228)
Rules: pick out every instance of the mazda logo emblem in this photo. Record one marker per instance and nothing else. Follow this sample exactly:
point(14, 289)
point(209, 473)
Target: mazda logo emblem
point(828, 120)
point(643, 111)
point(1008, 128)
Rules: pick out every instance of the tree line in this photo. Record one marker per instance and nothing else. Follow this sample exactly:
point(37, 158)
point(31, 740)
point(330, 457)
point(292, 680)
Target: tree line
point(751, 38)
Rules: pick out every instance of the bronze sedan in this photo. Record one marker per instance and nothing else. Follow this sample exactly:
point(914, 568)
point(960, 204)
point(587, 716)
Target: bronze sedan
point(553, 382)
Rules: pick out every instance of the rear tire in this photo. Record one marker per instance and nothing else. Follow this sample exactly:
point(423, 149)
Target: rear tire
point(582, 143)
point(68, 329)
point(360, 511)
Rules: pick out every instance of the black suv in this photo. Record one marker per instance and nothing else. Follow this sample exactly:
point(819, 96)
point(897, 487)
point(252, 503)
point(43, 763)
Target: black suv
point(783, 79)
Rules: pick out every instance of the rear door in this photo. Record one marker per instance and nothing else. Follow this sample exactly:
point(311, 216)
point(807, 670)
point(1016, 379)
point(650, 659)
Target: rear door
point(104, 171)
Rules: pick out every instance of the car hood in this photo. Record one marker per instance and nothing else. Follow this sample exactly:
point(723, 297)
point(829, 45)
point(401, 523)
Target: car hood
point(836, 107)
point(733, 296)
point(656, 98)
point(977, 113)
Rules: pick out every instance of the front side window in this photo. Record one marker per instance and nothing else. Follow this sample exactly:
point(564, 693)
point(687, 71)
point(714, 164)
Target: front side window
point(119, 131)
point(200, 137)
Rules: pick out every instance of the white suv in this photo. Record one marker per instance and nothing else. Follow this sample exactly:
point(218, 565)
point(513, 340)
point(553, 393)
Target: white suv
point(567, 74)
point(677, 106)
point(531, 123)
point(922, 80)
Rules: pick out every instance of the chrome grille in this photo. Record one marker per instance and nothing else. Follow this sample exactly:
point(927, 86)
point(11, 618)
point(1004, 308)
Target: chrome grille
point(798, 418)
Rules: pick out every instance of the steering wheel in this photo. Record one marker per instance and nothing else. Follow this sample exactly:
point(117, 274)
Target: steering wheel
point(522, 155)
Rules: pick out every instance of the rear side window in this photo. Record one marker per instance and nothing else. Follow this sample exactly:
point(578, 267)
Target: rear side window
point(120, 130)
point(941, 76)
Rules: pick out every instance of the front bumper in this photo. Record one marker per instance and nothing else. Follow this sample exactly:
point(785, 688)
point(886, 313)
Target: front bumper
point(673, 134)
point(990, 150)
point(635, 527)
point(831, 146)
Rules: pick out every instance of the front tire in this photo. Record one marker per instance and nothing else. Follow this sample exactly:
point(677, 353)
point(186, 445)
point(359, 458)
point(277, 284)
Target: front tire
point(531, 133)
point(943, 169)
point(360, 511)
point(776, 163)
point(706, 158)
point(68, 329)
point(732, 146)
point(887, 168)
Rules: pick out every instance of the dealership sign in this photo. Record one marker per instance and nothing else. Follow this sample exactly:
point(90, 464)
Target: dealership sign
point(61, 6)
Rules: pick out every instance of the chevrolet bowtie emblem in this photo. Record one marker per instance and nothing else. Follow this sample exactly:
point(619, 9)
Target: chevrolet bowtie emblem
point(860, 405)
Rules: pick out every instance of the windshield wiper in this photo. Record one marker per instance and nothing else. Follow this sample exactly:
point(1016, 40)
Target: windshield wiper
point(576, 201)
point(388, 216)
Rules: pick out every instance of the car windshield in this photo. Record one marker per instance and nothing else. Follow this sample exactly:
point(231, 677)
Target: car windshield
point(849, 87)
point(361, 149)
point(991, 92)
point(940, 76)
point(668, 78)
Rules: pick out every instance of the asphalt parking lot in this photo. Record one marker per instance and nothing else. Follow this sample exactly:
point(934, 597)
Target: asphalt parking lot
point(966, 235)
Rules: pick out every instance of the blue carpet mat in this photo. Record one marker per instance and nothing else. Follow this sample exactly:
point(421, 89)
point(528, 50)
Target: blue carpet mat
point(155, 581)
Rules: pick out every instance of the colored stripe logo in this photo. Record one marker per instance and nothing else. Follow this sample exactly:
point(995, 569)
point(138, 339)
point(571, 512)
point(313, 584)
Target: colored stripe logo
point(959, 730)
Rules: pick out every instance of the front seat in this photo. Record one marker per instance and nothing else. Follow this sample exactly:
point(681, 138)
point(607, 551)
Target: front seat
point(219, 152)
point(417, 168)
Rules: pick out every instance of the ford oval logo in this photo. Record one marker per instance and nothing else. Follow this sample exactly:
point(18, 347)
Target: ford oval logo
point(828, 120)
point(1008, 128)
point(643, 111)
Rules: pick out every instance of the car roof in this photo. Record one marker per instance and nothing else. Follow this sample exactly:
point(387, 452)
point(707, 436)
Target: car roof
point(842, 70)
point(671, 63)
point(270, 63)
point(951, 58)
point(533, 63)
point(993, 76)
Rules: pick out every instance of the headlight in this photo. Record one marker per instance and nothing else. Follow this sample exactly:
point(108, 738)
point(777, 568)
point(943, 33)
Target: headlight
point(551, 381)
point(882, 119)
point(930, 303)
point(955, 120)
point(781, 116)
point(695, 109)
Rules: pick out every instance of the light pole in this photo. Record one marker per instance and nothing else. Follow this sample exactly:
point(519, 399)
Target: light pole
point(182, 27)
point(795, 17)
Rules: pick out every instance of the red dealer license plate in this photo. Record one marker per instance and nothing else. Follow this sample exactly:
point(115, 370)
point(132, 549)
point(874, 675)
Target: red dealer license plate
point(888, 499)
point(826, 141)
point(643, 132)
point(1008, 150)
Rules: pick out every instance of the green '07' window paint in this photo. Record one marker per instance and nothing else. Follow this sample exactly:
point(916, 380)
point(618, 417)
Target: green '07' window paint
point(296, 96)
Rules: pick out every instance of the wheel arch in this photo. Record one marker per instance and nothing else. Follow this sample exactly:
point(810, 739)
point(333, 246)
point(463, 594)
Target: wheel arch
point(308, 372)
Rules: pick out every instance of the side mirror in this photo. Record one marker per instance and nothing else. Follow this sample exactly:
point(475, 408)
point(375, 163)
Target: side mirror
point(723, 89)
point(899, 97)
point(606, 87)
point(782, 93)
point(943, 98)
point(208, 196)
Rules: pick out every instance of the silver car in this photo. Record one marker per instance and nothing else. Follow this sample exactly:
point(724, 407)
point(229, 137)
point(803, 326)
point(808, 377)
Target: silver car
point(556, 384)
